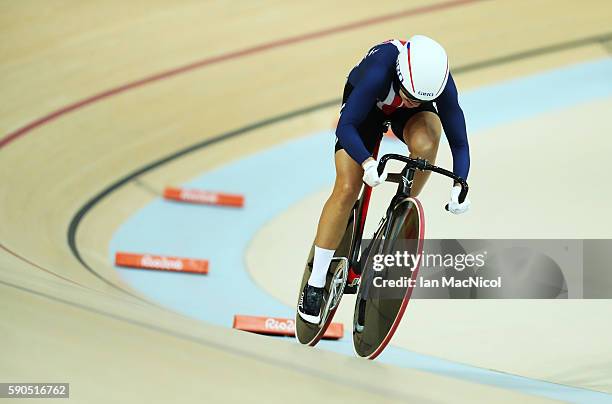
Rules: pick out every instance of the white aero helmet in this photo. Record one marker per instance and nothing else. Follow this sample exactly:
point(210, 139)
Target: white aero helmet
point(422, 68)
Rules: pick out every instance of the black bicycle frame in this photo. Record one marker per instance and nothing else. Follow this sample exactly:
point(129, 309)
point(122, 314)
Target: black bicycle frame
point(404, 179)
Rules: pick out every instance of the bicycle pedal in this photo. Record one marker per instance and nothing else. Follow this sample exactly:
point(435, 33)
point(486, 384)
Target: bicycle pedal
point(352, 282)
point(351, 288)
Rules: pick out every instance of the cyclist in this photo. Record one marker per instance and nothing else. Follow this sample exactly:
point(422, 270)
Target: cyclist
point(397, 82)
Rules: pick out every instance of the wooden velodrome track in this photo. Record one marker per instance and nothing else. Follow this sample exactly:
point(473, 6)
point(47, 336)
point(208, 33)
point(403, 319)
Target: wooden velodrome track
point(97, 94)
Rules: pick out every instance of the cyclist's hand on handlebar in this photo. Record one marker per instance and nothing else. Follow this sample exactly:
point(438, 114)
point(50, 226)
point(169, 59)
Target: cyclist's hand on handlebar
point(370, 173)
point(453, 205)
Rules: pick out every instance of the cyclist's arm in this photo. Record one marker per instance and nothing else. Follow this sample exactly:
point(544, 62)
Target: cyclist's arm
point(358, 104)
point(453, 122)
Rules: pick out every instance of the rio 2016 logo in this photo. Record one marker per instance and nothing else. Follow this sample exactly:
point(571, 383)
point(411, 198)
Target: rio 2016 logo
point(161, 262)
point(275, 324)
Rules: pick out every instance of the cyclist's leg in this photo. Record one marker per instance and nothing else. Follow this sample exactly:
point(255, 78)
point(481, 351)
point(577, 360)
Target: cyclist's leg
point(422, 135)
point(335, 215)
point(420, 130)
point(336, 210)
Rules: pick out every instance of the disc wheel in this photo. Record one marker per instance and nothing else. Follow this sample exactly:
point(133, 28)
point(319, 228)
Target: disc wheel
point(379, 309)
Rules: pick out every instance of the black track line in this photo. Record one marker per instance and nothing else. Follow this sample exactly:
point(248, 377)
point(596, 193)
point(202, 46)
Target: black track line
point(80, 214)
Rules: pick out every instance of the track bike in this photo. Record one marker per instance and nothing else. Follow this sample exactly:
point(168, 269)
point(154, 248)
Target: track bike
point(378, 310)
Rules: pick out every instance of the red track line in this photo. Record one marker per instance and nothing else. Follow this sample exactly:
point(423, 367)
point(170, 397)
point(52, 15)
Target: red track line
point(205, 62)
point(227, 56)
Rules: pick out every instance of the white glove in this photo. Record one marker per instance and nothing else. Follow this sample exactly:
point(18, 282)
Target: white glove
point(370, 174)
point(454, 206)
